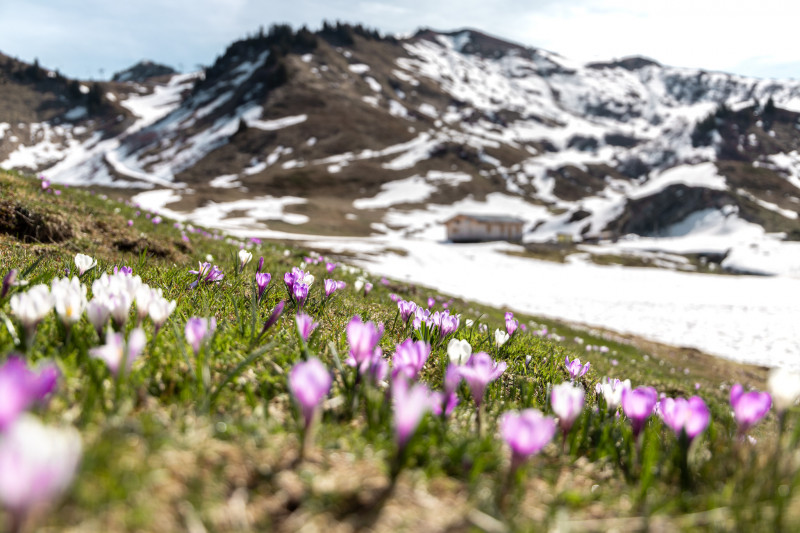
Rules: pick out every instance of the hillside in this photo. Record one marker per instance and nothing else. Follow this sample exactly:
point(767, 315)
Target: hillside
point(343, 131)
point(205, 431)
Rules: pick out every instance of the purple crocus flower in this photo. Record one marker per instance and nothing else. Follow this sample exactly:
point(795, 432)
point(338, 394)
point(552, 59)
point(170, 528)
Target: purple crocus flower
point(124, 270)
point(638, 405)
point(567, 402)
point(479, 371)
point(309, 382)
point(406, 309)
point(300, 292)
point(277, 311)
point(575, 369)
point(206, 273)
point(410, 403)
point(431, 303)
point(331, 286)
point(305, 325)
point(260, 264)
point(262, 280)
point(511, 323)
point(363, 339)
point(526, 433)
point(198, 330)
point(330, 267)
point(410, 358)
point(447, 323)
point(8, 280)
point(367, 287)
point(20, 387)
point(749, 407)
point(685, 416)
point(443, 403)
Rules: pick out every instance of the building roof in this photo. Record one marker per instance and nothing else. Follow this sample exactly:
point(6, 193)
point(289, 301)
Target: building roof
point(489, 218)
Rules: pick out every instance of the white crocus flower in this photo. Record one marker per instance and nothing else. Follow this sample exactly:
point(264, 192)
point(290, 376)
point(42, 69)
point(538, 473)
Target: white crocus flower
point(116, 351)
point(31, 306)
point(37, 464)
point(144, 297)
point(159, 310)
point(500, 337)
point(84, 263)
point(784, 386)
point(612, 391)
point(98, 312)
point(69, 299)
point(244, 258)
point(459, 351)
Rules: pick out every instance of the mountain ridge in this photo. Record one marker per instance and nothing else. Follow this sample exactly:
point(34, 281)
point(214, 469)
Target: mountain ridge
point(342, 115)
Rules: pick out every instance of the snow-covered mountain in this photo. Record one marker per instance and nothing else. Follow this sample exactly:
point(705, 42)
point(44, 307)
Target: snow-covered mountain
point(345, 132)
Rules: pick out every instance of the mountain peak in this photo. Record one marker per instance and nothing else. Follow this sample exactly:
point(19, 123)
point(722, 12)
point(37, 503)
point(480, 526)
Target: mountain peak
point(475, 42)
point(143, 70)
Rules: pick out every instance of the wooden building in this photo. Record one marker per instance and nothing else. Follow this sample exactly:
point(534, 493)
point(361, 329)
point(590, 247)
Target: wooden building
point(477, 228)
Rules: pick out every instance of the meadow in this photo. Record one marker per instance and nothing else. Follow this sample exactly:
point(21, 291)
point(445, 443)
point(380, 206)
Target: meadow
point(156, 376)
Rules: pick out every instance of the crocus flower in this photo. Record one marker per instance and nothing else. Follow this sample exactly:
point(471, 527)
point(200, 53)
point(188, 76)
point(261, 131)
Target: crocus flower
point(305, 325)
point(20, 387)
point(431, 303)
point(37, 464)
point(277, 311)
point(367, 287)
point(511, 323)
point(500, 337)
point(611, 389)
point(575, 369)
point(126, 270)
point(116, 351)
point(443, 403)
point(406, 309)
point(363, 339)
point(300, 292)
point(159, 310)
point(479, 371)
point(410, 403)
point(567, 403)
point(330, 267)
point(638, 405)
point(198, 330)
point(260, 264)
point(448, 324)
point(98, 313)
point(526, 433)
point(144, 297)
point(31, 306)
point(244, 258)
point(685, 416)
point(459, 351)
point(784, 386)
point(69, 299)
point(410, 358)
point(309, 382)
point(749, 407)
point(84, 263)
point(331, 286)
point(9, 280)
point(262, 280)
point(206, 273)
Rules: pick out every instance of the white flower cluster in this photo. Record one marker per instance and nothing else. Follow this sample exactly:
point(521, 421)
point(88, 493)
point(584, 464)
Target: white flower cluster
point(113, 296)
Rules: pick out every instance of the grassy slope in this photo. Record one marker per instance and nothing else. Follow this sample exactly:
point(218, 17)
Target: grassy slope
point(159, 458)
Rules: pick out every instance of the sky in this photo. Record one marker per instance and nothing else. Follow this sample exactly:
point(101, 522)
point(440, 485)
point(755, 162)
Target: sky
point(92, 39)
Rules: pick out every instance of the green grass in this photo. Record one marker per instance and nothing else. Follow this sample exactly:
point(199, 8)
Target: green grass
point(215, 439)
